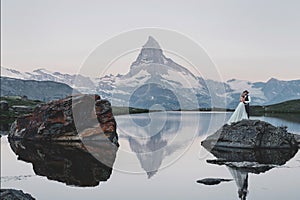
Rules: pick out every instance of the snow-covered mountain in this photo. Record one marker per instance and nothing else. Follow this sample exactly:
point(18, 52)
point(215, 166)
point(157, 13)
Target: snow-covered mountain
point(78, 82)
point(155, 81)
point(236, 87)
point(271, 92)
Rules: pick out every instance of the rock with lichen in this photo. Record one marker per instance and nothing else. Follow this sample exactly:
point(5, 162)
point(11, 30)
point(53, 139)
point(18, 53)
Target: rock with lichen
point(72, 118)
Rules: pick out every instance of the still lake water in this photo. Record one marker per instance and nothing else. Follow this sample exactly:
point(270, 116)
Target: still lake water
point(160, 157)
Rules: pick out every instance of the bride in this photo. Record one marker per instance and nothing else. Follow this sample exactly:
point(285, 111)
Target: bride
point(240, 111)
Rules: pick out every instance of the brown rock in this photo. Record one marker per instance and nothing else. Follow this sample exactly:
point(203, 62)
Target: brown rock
point(73, 118)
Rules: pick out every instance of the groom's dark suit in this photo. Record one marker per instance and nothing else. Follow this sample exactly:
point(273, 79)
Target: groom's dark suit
point(247, 106)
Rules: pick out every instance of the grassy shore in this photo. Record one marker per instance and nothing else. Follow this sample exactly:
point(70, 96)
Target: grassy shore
point(127, 110)
point(208, 110)
point(10, 114)
point(292, 106)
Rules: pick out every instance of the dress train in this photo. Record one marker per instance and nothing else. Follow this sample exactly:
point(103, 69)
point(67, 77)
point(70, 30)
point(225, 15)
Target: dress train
point(239, 114)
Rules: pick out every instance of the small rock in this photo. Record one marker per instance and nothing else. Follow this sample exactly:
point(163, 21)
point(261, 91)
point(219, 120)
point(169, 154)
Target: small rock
point(4, 105)
point(212, 181)
point(11, 194)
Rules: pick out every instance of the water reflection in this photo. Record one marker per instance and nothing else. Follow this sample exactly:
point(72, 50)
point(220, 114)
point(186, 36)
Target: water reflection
point(155, 144)
point(157, 139)
point(149, 161)
point(241, 162)
point(70, 163)
point(289, 117)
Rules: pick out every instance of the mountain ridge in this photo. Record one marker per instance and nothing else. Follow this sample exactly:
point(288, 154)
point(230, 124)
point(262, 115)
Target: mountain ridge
point(261, 91)
point(154, 73)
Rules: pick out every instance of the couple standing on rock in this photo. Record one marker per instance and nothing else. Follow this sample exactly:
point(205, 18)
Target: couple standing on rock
point(242, 110)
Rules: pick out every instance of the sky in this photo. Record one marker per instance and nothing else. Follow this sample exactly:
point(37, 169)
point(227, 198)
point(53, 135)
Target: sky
point(246, 39)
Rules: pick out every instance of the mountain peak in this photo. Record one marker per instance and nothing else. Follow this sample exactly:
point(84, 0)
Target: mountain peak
point(151, 43)
point(151, 55)
point(42, 70)
point(273, 80)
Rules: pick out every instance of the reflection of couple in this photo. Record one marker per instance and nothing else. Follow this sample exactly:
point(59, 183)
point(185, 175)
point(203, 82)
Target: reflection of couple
point(242, 110)
point(241, 180)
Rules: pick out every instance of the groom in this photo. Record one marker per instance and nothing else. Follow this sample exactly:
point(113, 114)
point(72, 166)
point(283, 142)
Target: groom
point(247, 101)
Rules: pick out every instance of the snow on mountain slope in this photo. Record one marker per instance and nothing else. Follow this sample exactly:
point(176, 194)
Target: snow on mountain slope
point(11, 73)
point(79, 82)
point(238, 86)
point(119, 88)
point(279, 91)
point(156, 79)
point(185, 80)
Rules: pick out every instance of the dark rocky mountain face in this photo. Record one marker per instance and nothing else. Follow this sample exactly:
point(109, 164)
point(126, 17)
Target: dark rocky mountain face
point(150, 95)
point(149, 55)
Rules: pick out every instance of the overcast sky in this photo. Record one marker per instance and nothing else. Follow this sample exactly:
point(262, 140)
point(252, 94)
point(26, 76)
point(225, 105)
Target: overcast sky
point(252, 40)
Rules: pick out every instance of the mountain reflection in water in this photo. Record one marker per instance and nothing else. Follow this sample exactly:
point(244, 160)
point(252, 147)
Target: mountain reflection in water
point(241, 162)
point(153, 142)
point(71, 163)
point(150, 162)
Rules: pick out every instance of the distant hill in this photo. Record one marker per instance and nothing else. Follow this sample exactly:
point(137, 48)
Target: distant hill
point(37, 90)
point(292, 106)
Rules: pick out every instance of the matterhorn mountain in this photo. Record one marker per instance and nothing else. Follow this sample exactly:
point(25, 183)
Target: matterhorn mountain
point(157, 82)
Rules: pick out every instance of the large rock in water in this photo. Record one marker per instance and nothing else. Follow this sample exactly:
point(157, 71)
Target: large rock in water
point(251, 134)
point(73, 118)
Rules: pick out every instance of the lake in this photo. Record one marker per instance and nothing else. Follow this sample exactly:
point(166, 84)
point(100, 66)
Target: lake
point(160, 157)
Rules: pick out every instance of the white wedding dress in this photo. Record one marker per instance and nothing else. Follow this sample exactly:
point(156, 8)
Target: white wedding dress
point(239, 114)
